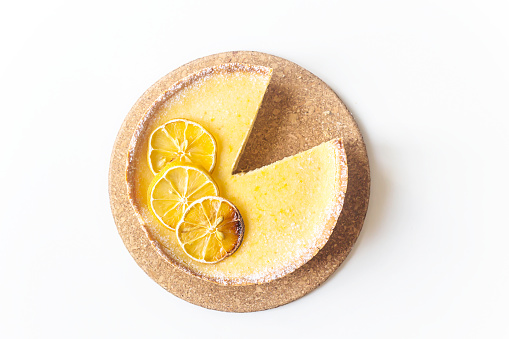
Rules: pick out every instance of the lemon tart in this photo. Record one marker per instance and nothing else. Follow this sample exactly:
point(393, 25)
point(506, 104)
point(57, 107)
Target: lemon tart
point(289, 208)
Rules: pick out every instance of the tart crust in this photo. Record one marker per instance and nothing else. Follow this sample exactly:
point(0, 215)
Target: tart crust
point(260, 76)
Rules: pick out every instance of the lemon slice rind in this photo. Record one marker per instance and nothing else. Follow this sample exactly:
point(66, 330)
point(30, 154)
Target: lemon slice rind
point(236, 218)
point(211, 139)
point(182, 199)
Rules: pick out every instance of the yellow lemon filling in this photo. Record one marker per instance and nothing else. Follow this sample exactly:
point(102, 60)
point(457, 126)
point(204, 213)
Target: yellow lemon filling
point(289, 208)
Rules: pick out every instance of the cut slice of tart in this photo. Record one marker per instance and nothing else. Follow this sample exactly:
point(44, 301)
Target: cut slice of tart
point(289, 207)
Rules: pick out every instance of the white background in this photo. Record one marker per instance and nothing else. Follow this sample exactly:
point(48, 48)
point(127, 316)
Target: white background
point(427, 82)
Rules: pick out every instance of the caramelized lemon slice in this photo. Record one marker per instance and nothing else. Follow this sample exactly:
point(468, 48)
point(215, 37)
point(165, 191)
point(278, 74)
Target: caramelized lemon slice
point(174, 188)
point(181, 140)
point(210, 230)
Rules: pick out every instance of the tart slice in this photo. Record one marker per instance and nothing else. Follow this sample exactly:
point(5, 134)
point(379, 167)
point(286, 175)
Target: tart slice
point(289, 208)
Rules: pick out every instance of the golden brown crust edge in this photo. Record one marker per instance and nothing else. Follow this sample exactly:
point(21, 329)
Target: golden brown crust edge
point(341, 184)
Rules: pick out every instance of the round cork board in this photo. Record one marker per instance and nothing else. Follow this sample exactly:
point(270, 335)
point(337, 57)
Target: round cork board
point(299, 111)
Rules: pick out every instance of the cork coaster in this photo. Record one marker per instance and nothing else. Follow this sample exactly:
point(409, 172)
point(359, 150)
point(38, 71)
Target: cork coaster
point(299, 111)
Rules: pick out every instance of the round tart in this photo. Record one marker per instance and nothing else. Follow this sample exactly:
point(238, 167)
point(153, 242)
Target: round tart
point(289, 207)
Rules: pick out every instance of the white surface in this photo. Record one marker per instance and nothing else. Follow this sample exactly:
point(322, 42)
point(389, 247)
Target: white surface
point(426, 82)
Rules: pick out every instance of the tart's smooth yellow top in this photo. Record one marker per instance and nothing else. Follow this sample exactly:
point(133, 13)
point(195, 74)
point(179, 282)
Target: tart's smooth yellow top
point(289, 207)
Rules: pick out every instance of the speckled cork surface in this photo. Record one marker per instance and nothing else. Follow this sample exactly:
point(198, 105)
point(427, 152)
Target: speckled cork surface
point(299, 111)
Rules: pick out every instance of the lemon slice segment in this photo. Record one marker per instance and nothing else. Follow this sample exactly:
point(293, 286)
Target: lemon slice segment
point(174, 188)
point(210, 230)
point(182, 140)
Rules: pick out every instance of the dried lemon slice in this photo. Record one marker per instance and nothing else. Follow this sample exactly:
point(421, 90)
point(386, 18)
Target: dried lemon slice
point(210, 230)
point(181, 140)
point(175, 187)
